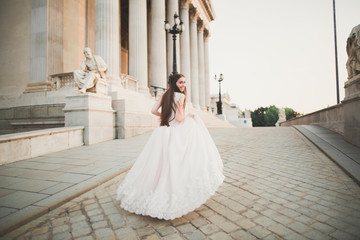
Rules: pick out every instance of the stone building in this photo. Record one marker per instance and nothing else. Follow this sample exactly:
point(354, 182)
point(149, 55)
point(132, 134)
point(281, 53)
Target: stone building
point(42, 43)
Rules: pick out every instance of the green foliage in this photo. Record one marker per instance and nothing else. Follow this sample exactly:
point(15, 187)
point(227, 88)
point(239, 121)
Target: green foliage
point(265, 116)
point(290, 113)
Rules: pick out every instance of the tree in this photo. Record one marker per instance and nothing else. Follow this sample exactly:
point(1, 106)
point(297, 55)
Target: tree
point(258, 117)
point(265, 116)
point(290, 113)
point(271, 116)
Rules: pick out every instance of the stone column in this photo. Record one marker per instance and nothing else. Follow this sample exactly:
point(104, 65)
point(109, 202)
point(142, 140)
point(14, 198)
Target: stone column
point(185, 46)
point(194, 58)
point(46, 43)
point(157, 50)
point(138, 43)
point(172, 7)
point(107, 37)
point(207, 69)
point(201, 64)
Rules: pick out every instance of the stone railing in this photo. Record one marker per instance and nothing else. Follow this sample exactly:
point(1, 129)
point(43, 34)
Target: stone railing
point(129, 82)
point(62, 81)
point(66, 81)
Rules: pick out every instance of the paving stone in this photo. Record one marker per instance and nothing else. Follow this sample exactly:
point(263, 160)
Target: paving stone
point(21, 199)
point(145, 231)
point(186, 228)
point(299, 227)
point(104, 233)
point(79, 218)
point(77, 232)
point(179, 221)
point(283, 219)
point(191, 216)
point(220, 236)
point(94, 212)
point(216, 219)
point(84, 238)
point(228, 226)
point(40, 230)
point(196, 235)
point(264, 221)
point(338, 234)
point(199, 222)
point(242, 235)
point(314, 234)
point(60, 229)
point(62, 236)
point(152, 237)
point(259, 232)
point(43, 236)
point(126, 233)
point(295, 236)
point(245, 224)
point(173, 237)
point(164, 231)
point(118, 221)
point(133, 220)
point(209, 229)
point(280, 230)
point(100, 224)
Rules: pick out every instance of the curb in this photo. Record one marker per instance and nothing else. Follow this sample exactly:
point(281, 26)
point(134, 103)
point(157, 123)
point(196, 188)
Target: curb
point(339, 158)
point(74, 192)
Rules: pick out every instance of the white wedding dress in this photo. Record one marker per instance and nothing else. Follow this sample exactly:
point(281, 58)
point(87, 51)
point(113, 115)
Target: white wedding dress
point(177, 171)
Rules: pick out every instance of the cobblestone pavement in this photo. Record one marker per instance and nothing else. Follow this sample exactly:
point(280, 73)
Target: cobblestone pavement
point(277, 186)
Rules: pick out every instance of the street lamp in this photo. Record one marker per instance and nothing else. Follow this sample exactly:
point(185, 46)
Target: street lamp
point(176, 29)
point(219, 103)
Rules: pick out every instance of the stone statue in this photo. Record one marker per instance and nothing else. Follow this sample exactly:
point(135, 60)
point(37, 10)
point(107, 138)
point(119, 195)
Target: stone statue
point(282, 114)
point(353, 52)
point(92, 69)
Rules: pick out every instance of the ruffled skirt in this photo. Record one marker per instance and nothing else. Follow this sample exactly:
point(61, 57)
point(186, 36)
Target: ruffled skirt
point(177, 171)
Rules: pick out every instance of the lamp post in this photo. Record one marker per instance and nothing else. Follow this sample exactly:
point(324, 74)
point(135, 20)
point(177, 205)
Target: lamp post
point(336, 58)
point(219, 103)
point(176, 29)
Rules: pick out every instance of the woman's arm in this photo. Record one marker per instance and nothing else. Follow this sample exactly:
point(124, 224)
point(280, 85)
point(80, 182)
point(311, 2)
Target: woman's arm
point(156, 107)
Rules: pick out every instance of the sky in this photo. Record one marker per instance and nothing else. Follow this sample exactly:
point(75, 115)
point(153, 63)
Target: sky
point(280, 52)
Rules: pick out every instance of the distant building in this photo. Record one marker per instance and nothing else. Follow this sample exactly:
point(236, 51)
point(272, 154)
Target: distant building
point(231, 112)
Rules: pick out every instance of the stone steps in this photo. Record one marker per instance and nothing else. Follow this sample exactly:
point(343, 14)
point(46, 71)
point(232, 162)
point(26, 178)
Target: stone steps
point(210, 120)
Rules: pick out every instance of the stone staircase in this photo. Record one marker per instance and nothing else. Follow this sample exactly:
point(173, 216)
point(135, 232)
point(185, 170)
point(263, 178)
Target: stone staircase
point(210, 120)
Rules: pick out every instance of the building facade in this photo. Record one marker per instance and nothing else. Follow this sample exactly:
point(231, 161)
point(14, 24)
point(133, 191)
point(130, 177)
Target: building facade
point(42, 44)
point(47, 37)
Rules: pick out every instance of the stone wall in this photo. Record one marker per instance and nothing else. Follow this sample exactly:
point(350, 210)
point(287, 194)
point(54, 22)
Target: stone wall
point(331, 118)
point(19, 146)
point(28, 118)
point(343, 118)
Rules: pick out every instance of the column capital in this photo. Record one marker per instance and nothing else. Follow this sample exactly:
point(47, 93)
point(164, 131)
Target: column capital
point(200, 25)
point(193, 14)
point(185, 4)
point(206, 34)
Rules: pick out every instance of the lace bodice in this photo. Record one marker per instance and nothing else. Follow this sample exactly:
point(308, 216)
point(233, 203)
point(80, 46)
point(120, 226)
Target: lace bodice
point(177, 97)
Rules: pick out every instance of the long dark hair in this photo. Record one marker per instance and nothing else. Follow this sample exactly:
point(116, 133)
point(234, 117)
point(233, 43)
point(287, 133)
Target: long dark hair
point(167, 101)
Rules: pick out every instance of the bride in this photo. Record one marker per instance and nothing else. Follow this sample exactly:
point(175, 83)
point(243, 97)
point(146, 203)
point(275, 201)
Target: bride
point(179, 167)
